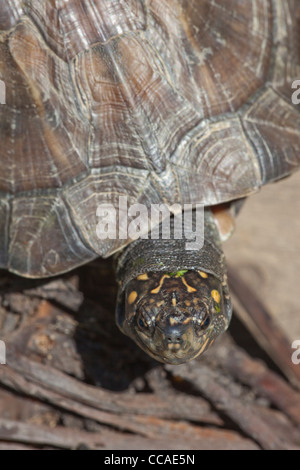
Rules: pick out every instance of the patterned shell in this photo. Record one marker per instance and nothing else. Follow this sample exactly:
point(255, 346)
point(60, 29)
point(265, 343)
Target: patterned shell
point(183, 101)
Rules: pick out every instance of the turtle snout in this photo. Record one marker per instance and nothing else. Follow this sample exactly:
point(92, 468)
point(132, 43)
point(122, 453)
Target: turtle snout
point(175, 337)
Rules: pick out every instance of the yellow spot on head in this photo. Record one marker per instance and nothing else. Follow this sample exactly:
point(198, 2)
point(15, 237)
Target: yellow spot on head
point(215, 295)
point(189, 288)
point(202, 274)
point(174, 301)
point(157, 289)
point(173, 321)
point(143, 277)
point(174, 346)
point(132, 296)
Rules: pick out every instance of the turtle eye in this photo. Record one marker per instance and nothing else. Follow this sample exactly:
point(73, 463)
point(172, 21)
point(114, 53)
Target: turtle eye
point(144, 324)
point(202, 321)
point(206, 322)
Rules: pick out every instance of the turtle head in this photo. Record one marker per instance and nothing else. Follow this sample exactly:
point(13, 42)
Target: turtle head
point(174, 316)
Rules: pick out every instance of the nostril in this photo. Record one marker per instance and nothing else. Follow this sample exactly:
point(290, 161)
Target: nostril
point(173, 339)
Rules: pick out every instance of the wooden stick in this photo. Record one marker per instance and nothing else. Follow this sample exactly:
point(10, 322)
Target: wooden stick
point(257, 319)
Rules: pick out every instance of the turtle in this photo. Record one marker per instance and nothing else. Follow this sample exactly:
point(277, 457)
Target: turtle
point(112, 106)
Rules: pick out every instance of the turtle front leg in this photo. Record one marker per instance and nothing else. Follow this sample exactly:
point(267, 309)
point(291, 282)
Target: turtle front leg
point(224, 220)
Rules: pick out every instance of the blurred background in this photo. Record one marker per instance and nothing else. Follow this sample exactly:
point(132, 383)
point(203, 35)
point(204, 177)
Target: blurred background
point(265, 250)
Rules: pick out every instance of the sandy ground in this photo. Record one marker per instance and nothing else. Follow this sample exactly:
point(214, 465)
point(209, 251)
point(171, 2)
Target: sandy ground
point(265, 250)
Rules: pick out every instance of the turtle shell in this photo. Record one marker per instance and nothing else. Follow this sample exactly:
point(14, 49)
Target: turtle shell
point(174, 101)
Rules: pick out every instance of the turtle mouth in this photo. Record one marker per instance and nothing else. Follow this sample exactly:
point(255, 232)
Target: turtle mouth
point(185, 349)
point(174, 358)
